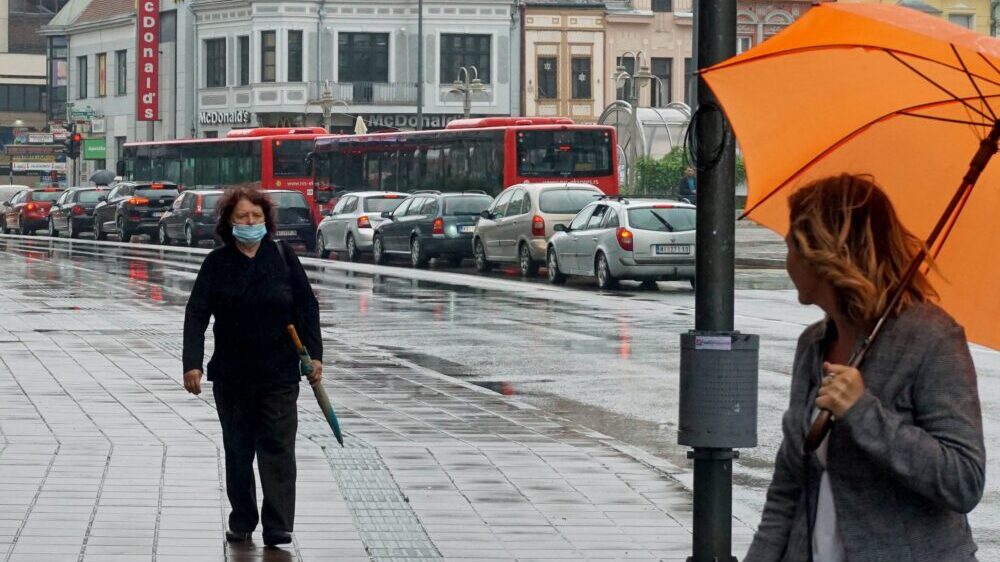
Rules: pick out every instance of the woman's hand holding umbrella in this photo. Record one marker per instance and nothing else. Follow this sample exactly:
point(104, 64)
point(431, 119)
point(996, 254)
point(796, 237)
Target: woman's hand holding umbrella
point(841, 388)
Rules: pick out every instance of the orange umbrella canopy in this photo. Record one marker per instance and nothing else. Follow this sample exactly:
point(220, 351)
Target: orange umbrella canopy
point(887, 91)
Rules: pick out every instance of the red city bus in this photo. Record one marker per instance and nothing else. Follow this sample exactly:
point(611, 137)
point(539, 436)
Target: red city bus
point(270, 158)
point(487, 154)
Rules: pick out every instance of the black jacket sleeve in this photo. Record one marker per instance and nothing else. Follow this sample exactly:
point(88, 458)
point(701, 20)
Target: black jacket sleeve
point(306, 305)
point(196, 317)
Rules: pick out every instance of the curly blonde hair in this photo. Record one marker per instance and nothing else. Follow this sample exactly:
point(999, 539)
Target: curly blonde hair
point(846, 229)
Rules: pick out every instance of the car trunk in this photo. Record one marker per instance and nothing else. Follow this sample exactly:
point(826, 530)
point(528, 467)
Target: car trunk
point(460, 226)
point(293, 217)
point(159, 200)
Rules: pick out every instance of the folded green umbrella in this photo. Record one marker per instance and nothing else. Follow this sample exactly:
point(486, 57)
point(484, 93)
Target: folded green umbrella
point(305, 362)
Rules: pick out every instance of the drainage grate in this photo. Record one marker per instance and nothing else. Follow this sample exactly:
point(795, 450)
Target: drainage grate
point(387, 525)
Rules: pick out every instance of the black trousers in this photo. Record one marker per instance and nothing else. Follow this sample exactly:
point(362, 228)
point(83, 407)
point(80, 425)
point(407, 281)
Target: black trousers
point(261, 421)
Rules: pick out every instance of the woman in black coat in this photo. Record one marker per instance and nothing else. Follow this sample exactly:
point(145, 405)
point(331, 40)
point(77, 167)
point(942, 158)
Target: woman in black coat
point(254, 289)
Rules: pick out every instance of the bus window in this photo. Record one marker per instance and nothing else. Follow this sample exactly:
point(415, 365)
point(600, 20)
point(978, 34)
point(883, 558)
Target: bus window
point(290, 158)
point(579, 153)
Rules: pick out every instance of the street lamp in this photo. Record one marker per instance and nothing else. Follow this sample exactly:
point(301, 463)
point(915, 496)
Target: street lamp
point(639, 78)
point(466, 84)
point(326, 102)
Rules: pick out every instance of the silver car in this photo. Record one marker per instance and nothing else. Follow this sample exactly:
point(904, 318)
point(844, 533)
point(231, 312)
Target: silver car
point(517, 226)
point(352, 221)
point(613, 239)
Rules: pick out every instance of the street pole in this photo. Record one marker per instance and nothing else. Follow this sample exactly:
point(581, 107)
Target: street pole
point(714, 292)
point(420, 65)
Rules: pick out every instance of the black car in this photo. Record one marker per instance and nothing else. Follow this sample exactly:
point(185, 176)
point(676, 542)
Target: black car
point(192, 217)
point(293, 218)
point(133, 208)
point(431, 224)
point(73, 212)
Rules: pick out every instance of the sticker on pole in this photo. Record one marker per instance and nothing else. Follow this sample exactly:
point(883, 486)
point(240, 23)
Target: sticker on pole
point(714, 343)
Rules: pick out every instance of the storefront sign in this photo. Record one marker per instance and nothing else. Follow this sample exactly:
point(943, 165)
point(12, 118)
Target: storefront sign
point(38, 166)
point(408, 120)
point(40, 138)
point(148, 61)
point(239, 117)
point(95, 149)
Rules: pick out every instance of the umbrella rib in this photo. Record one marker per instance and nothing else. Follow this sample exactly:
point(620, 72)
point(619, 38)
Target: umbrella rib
point(945, 119)
point(973, 82)
point(939, 86)
point(904, 111)
point(797, 50)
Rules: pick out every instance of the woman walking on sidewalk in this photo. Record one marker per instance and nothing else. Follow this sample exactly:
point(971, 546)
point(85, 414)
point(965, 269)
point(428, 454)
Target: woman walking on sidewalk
point(905, 460)
point(254, 288)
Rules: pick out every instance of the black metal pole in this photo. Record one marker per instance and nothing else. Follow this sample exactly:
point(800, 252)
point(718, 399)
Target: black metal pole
point(714, 296)
point(420, 65)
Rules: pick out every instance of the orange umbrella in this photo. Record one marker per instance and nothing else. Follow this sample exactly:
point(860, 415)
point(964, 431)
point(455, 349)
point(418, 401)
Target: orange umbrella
point(892, 92)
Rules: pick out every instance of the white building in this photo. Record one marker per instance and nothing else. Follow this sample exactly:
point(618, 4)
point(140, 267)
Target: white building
point(234, 63)
point(267, 60)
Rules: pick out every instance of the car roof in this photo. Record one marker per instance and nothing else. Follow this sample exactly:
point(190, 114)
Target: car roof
point(375, 193)
point(46, 189)
point(546, 185)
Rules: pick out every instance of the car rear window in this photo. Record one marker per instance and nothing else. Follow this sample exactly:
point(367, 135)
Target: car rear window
point(91, 196)
point(466, 204)
point(566, 201)
point(289, 200)
point(668, 219)
point(157, 193)
point(382, 204)
point(210, 201)
point(49, 196)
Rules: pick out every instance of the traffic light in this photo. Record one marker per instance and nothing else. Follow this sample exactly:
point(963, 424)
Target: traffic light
point(73, 144)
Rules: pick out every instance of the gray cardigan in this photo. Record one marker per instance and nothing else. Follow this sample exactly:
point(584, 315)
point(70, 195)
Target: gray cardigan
point(906, 462)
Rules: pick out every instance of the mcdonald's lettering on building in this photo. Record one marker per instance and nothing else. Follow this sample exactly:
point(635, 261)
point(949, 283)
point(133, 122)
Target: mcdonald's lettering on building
point(147, 61)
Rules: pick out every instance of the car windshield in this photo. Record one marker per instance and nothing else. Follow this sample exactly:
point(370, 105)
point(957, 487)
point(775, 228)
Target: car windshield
point(666, 219)
point(290, 158)
point(564, 153)
point(289, 200)
point(382, 204)
point(565, 201)
point(156, 193)
point(49, 196)
point(466, 204)
point(91, 196)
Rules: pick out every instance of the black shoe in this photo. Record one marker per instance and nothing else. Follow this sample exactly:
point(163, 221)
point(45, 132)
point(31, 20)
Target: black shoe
point(233, 536)
point(277, 537)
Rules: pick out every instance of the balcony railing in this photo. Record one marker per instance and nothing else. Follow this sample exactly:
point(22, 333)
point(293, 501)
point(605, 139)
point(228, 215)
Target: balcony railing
point(683, 8)
point(373, 93)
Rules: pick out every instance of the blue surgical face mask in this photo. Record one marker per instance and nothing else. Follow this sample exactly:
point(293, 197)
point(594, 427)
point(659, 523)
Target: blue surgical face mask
point(249, 233)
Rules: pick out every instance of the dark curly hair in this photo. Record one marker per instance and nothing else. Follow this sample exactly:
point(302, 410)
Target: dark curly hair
point(224, 227)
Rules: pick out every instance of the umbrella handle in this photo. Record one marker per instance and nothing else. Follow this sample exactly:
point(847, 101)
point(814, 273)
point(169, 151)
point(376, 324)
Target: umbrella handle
point(295, 339)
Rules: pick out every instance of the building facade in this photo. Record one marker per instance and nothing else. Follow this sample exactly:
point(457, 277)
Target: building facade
point(266, 62)
point(757, 21)
point(23, 97)
point(564, 59)
point(977, 15)
point(653, 33)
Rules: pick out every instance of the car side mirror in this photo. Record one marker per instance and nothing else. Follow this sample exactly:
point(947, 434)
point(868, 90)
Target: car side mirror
point(6, 203)
point(560, 228)
point(386, 215)
point(486, 214)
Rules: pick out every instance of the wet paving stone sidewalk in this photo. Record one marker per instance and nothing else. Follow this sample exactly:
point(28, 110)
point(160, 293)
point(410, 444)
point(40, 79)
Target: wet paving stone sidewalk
point(104, 457)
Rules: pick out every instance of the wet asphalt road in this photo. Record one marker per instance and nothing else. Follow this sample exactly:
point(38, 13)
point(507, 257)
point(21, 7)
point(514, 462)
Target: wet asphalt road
point(608, 360)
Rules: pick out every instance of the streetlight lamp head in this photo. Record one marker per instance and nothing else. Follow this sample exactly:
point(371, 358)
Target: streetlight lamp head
point(643, 76)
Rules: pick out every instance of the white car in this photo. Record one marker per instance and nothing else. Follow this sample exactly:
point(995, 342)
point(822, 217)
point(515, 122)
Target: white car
point(351, 223)
point(614, 238)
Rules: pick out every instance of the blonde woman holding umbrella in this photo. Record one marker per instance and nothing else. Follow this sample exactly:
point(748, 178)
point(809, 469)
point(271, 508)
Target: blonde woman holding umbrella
point(905, 460)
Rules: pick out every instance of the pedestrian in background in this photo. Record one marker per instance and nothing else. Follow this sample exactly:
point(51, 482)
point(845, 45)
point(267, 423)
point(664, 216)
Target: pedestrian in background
point(905, 460)
point(254, 288)
point(687, 187)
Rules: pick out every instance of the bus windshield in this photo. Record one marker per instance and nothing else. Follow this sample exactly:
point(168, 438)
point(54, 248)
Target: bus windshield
point(290, 158)
point(581, 153)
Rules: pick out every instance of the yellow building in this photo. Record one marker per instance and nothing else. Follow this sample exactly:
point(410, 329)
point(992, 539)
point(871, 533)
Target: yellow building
point(972, 14)
point(564, 72)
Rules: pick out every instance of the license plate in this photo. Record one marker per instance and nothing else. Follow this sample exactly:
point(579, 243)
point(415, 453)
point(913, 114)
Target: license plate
point(672, 249)
point(286, 233)
point(467, 229)
point(157, 214)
